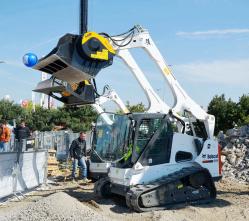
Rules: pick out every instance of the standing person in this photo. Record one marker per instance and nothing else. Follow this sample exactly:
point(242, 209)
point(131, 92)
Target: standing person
point(22, 132)
point(1, 143)
point(78, 155)
point(4, 136)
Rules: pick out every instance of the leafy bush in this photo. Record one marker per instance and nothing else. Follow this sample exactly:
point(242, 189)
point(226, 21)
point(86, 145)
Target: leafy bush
point(227, 112)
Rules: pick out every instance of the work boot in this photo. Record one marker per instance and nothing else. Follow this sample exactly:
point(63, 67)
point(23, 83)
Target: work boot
point(85, 180)
point(72, 179)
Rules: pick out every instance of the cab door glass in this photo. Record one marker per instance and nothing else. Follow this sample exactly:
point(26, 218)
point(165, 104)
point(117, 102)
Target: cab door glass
point(159, 151)
point(146, 130)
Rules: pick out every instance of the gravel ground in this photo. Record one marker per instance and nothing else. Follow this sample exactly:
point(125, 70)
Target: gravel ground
point(68, 201)
point(58, 206)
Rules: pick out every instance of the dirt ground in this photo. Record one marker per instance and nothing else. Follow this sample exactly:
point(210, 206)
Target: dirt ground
point(232, 203)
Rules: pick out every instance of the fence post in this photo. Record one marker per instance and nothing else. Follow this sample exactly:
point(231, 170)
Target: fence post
point(46, 167)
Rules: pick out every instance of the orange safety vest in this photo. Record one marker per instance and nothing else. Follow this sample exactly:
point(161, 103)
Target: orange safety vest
point(5, 134)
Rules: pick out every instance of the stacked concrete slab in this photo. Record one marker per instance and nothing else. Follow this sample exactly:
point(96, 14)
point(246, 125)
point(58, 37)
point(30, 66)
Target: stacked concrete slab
point(29, 173)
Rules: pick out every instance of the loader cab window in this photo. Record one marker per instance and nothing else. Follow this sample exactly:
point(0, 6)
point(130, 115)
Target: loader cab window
point(111, 136)
point(146, 130)
point(199, 129)
point(159, 150)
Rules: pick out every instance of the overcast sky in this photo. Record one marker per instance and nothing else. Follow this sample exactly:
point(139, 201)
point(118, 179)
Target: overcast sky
point(206, 42)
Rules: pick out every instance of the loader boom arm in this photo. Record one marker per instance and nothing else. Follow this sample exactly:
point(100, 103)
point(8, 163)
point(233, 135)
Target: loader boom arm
point(182, 101)
point(111, 95)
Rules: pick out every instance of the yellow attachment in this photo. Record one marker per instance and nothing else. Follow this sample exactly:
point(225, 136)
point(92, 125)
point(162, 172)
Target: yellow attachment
point(101, 55)
point(103, 40)
point(74, 86)
point(87, 82)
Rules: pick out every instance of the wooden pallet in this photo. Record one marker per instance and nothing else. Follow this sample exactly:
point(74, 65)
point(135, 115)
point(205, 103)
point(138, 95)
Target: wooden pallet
point(53, 164)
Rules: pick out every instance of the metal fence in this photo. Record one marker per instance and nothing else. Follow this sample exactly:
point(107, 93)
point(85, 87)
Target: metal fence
point(58, 140)
point(27, 168)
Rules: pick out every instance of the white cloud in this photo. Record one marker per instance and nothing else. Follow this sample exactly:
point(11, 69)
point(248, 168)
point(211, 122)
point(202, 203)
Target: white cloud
point(214, 32)
point(229, 72)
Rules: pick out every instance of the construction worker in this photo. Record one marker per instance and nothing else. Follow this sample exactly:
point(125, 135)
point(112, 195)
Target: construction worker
point(78, 155)
point(4, 136)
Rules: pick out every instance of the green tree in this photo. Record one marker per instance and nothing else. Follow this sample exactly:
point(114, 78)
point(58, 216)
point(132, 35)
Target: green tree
point(135, 108)
point(9, 110)
point(81, 117)
point(243, 109)
point(225, 112)
point(42, 119)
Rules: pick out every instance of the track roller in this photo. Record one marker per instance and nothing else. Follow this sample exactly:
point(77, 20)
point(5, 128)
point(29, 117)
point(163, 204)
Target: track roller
point(102, 187)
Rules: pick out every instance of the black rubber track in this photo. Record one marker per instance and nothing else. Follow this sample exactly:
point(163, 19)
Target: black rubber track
point(133, 196)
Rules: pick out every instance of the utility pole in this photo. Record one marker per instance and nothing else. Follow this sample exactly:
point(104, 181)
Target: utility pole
point(83, 16)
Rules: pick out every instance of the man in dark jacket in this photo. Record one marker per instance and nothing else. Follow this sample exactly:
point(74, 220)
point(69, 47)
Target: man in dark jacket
point(78, 155)
point(21, 134)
